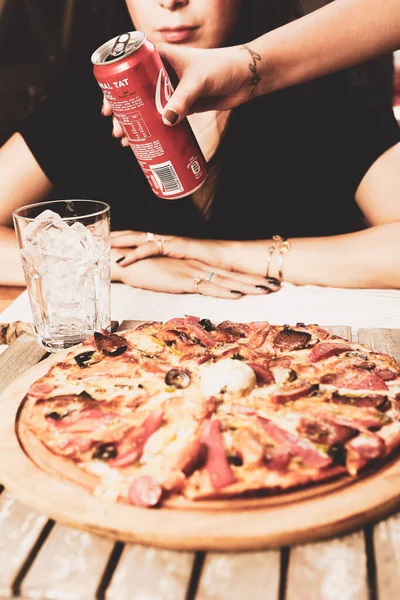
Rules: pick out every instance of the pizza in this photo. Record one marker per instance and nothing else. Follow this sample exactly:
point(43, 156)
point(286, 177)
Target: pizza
point(190, 409)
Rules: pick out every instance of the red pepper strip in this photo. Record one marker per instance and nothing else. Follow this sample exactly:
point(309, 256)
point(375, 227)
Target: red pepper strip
point(217, 465)
point(132, 445)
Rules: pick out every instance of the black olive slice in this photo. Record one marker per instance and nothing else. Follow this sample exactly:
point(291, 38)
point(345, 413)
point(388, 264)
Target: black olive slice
point(237, 356)
point(85, 359)
point(110, 344)
point(56, 416)
point(178, 379)
point(337, 452)
point(207, 325)
point(105, 452)
point(236, 461)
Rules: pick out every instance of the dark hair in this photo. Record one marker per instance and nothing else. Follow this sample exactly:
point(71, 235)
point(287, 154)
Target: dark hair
point(259, 16)
point(95, 22)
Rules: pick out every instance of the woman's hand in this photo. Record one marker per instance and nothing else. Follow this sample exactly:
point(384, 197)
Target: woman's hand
point(210, 79)
point(180, 276)
point(139, 245)
point(241, 256)
point(117, 130)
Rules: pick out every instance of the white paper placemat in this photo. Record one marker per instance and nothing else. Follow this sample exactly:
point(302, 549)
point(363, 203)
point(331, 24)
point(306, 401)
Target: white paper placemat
point(292, 304)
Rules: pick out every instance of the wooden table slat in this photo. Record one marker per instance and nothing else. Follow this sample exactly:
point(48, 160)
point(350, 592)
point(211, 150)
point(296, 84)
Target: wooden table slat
point(387, 558)
point(70, 565)
point(382, 340)
point(20, 528)
point(23, 353)
point(148, 573)
point(254, 575)
point(329, 570)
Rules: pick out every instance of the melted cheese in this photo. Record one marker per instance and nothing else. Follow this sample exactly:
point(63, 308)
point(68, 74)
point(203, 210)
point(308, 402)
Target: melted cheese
point(227, 377)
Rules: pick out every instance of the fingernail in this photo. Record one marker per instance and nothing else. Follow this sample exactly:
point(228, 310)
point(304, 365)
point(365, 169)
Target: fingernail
point(102, 111)
point(262, 287)
point(273, 281)
point(236, 292)
point(171, 116)
point(122, 143)
point(120, 259)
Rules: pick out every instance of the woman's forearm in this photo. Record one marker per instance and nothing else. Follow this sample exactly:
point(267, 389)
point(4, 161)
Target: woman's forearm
point(341, 34)
point(10, 262)
point(366, 259)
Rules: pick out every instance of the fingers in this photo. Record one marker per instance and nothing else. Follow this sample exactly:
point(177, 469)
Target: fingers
point(106, 109)
point(179, 105)
point(117, 131)
point(124, 239)
point(233, 284)
point(120, 232)
point(272, 284)
point(155, 248)
point(215, 291)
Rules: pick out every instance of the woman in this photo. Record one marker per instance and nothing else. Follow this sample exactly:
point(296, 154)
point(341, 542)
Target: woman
point(290, 163)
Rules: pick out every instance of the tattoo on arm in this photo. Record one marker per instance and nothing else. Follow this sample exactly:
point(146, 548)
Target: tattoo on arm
point(255, 77)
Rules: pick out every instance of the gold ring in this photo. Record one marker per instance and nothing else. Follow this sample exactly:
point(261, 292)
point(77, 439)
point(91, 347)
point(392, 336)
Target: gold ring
point(209, 276)
point(196, 282)
point(149, 236)
point(160, 243)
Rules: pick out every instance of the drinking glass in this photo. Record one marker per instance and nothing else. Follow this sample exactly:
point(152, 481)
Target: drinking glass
point(65, 253)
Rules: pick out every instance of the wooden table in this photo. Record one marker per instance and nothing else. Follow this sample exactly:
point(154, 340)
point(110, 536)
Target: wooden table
point(40, 558)
point(8, 294)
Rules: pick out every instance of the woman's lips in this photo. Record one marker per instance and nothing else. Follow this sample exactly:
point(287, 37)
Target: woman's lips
point(180, 34)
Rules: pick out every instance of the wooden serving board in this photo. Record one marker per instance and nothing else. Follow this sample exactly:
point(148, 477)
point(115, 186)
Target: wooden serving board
point(315, 512)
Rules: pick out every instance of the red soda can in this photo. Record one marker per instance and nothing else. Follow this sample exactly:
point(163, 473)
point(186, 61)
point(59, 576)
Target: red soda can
point(134, 81)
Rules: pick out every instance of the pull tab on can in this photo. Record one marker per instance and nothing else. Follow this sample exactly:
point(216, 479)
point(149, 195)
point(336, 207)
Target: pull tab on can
point(120, 45)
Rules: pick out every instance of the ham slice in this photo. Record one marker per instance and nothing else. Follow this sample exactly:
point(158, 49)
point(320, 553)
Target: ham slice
point(257, 339)
point(85, 421)
point(362, 449)
point(295, 445)
point(130, 449)
point(190, 326)
point(248, 448)
point(75, 446)
point(38, 390)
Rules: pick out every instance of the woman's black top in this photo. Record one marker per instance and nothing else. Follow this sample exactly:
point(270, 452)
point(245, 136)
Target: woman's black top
point(289, 163)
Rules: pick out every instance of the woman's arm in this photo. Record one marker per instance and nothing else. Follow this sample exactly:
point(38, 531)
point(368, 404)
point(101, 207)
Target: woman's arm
point(365, 259)
point(343, 33)
point(22, 182)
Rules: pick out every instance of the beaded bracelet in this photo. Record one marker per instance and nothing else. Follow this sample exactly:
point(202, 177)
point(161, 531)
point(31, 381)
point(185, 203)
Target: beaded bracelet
point(282, 245)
